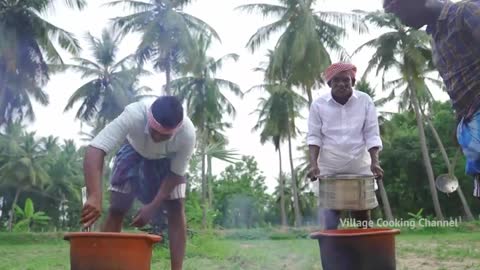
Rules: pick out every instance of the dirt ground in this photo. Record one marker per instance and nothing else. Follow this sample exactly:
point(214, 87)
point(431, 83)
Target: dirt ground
point(438, 254)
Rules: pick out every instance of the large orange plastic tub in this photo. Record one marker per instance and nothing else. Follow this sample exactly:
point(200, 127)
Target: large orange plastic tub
point(357, 249)
point(110, 251)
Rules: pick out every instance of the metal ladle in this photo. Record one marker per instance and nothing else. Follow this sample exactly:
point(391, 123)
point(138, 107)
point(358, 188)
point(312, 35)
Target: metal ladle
point(448, 183)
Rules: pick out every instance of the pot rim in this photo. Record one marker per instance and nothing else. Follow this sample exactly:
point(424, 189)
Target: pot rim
point(346, 177)
point(153, 238)
point(354, 232)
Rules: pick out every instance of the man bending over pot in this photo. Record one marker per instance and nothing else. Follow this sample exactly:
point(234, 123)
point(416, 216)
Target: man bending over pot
point(157, 142)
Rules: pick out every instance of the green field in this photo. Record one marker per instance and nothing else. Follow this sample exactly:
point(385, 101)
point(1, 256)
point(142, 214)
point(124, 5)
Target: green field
point(248, 250)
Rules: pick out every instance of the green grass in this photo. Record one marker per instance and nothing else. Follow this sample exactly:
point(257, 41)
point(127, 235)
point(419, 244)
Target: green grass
point(255, 249)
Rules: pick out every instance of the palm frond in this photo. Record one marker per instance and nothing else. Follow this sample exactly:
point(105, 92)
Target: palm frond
point(263, 34)
point(199, 25)
point(78, 4)
point(342, 19)
point(233, 87)
point(218, 151)
point(218, 64)
point(137, 6)
point(65, 39)
point(264, 9)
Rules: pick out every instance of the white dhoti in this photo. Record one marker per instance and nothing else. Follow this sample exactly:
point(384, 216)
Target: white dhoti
point(336, 162)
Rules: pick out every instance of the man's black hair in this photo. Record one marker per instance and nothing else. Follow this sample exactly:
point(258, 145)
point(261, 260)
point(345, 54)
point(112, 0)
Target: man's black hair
point(168, 111)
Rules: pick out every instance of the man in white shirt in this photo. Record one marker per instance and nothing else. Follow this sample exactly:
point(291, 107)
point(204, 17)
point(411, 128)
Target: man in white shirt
point(157, 144)
point(343, 134)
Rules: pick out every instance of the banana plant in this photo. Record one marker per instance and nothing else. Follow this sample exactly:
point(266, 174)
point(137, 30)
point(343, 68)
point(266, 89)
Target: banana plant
point(28, 217)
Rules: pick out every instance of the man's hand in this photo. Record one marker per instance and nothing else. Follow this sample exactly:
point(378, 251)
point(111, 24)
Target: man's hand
point(376, 169)
point(313, 173)
point(92, 210)
point(375, 164)
point(92, 169)
point(144, 215)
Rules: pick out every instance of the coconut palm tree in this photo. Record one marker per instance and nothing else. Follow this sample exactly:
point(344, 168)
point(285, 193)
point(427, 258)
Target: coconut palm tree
point(50, 144)
point(167, 32)
point(280, 195)
point(306, 198)
point(27, 46)
point(406, 51)
point(65, 171)
point(111, 84)
point(425, 103)
point(23, 163)
point(277, 114)
point(217, 140)
point(307, 39)
point(273, 129)
point(201, 89)
point(206, 103)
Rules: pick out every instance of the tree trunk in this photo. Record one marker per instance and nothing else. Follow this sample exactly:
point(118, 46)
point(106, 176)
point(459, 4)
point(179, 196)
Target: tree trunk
point(426, 156)
point(296, 207)
point(204, 190)
point(3, 92)
point(209, 181)
point(12, 210)
point(466, 208)
point(3, 107)
point(451, 168)
point(308, 89)
point(168, 77)
point(386, 204)
point(282, 191)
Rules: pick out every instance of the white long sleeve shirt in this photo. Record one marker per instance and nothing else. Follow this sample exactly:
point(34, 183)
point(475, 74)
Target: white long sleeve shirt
point(132, 125)
point(351, 128)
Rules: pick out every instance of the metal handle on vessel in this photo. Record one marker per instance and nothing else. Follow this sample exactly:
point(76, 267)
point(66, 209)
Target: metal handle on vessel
point(84, 200)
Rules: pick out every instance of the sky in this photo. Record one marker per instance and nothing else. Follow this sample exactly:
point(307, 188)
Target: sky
point(235, 28)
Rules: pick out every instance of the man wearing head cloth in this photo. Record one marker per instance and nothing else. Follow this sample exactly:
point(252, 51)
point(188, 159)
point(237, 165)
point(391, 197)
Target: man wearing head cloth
point(343, 134)
point(156, 143)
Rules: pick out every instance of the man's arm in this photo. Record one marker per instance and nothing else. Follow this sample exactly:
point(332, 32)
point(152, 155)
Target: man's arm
point(93, 168)
point(314, 169)
point(313, 150)
point(371, 128)
point(373, 141)
point(471, 19)
point(374, 155)
point(112, 135)
point(168, 185)
point(178, 168)
point(314, 139)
